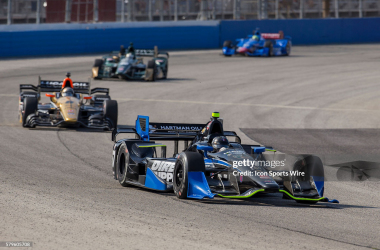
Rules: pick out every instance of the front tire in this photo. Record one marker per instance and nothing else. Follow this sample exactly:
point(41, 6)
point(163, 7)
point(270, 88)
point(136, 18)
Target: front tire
point(186, 162)
point(288, 48)
point(122, 164)
point(30, 107)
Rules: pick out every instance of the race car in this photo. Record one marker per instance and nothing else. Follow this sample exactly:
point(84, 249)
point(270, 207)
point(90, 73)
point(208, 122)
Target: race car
point(212, 165)
point(130, 66)
point(260, 44)
point(72, 104)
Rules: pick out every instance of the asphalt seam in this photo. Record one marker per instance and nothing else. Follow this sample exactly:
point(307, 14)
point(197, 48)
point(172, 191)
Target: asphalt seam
point(77, 156)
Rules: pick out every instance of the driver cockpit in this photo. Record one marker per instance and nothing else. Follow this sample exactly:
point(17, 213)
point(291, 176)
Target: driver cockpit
point(67, 86)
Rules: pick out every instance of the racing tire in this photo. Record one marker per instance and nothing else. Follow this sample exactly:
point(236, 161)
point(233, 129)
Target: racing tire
point(288, 48)
point(186, 162)
point(152, 65)
point(227, 44)
point(269, 44)
point(98, 63)
point(312, 166)
point(111, 112)
point(165, 71)
point(30, 107)
point(122, 164)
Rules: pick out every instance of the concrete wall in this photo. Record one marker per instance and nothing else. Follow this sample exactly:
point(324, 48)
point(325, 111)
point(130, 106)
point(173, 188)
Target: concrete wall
point(59, 39)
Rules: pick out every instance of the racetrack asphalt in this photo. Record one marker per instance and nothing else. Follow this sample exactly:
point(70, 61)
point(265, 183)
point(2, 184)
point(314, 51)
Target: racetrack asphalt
point(57, 188)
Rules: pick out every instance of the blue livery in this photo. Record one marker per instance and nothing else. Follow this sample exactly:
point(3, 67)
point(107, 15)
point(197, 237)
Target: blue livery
point(210, 165)
point(260, 44)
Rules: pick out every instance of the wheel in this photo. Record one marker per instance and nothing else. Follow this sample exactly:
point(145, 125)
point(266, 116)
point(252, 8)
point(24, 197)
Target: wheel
point(152, 65)
point(311, 166)
point(111, 111)
point(30, 107)
point(187, 162)
point(269, 44)
point(227, 44)
point(288, 48)
point(98, 63)
point(165, 71)
point(122, 164)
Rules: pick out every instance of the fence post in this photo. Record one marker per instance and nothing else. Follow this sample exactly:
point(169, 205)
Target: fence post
point(161, 10)
point(213, 9)
point(259, 9)
point(9, 12)
point(38, 11)
point(122, 14)
point(336, 3)
point(96, 14)
point(175, 10)
point(150, 10)
point(130, 4)
point(301, 8)
point(277, 10)
point(204, 10)
point(68, 11)
point(360, 8)
point(222, 9)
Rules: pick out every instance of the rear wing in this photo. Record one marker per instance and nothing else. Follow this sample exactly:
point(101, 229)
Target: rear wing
point(56, 86)
point(147, 131)
point(151, 52)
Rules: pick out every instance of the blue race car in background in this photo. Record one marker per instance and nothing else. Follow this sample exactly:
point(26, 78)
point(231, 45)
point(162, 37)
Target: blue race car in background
point(260, 44)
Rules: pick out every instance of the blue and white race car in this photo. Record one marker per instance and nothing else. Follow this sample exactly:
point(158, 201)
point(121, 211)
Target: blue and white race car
point(212, 165)
point(260, 44)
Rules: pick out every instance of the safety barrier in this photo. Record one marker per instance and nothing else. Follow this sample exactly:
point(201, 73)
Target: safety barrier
point(60, 39)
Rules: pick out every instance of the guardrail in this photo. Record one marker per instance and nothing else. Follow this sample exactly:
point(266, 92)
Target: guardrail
point(60, 39)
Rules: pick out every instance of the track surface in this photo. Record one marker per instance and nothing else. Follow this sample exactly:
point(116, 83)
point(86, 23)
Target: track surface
point(56, 185)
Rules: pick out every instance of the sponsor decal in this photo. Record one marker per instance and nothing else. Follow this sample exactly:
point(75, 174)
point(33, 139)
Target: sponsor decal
point(56, 84)
point(195, 128)
point(29, 95)
point(145, 52)
point(101, 98)
point(163, 169)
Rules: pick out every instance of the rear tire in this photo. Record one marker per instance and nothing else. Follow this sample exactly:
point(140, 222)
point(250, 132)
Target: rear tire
point(187, 162)
point(30, 107)
point(98, 63)
point(122, 164)
point(111, 112)
point(227, 44)
point(165, 71)
point(152, 65)
point(269, 44)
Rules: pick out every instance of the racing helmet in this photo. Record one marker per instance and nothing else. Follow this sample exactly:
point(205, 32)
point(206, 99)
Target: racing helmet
point(220, 142)
point(255, 37)
point(130, 57)
point(67, 92)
